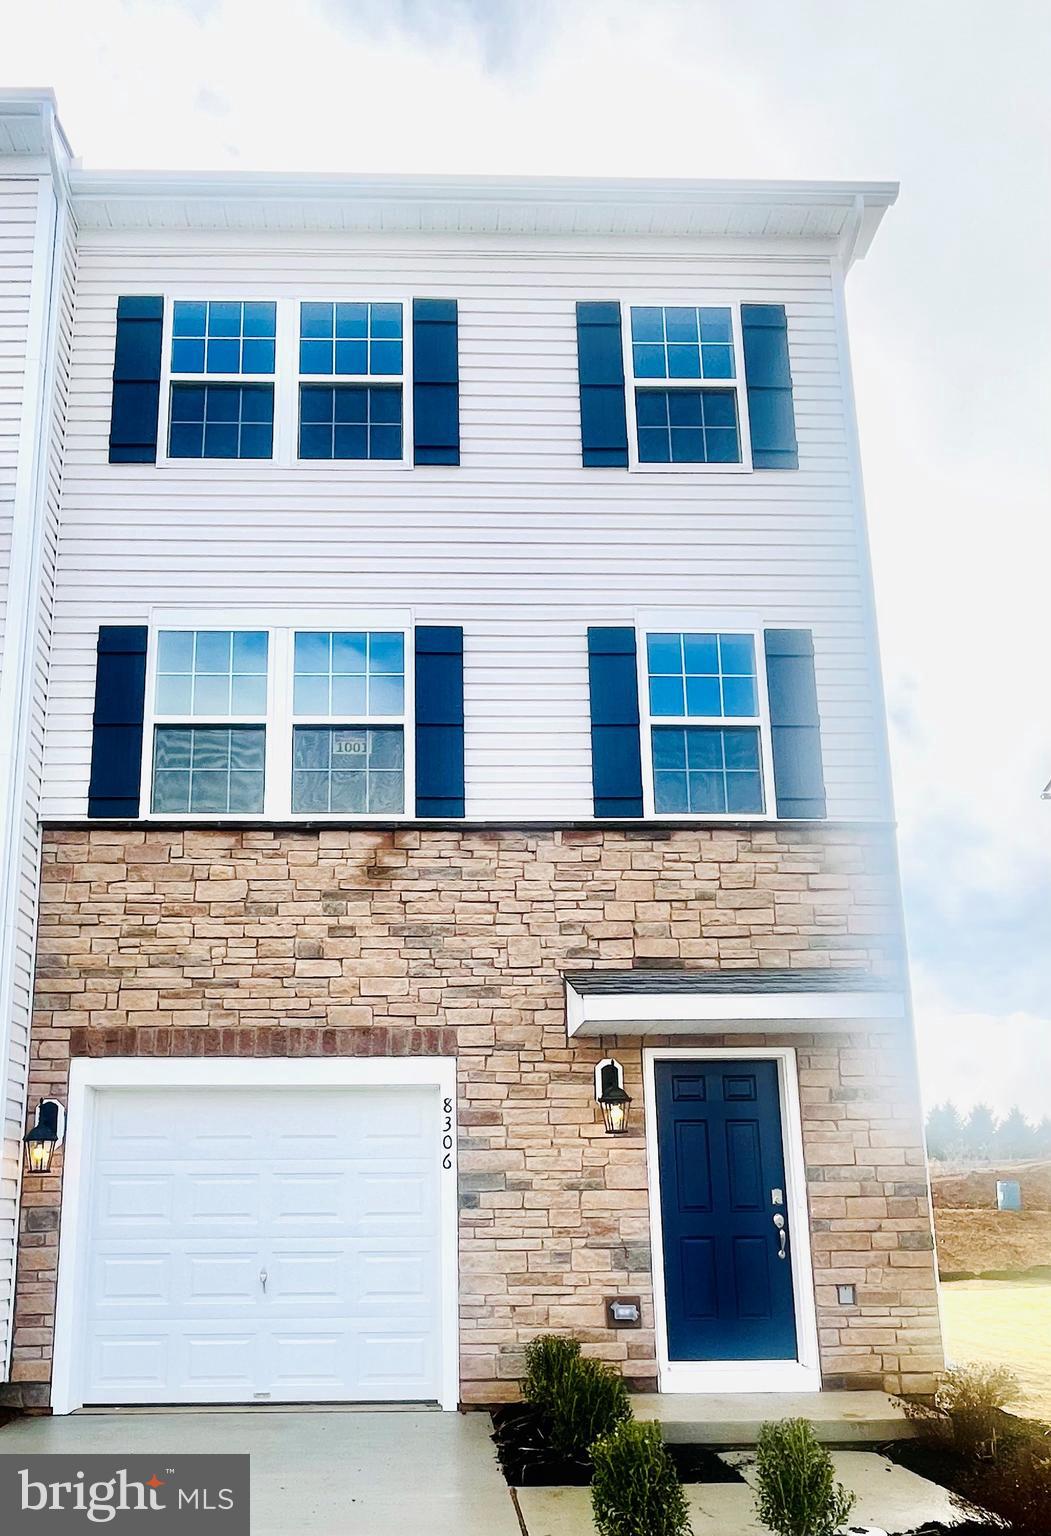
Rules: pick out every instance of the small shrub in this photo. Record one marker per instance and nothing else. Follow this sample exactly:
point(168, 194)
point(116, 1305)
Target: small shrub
point(547, 1358)
point(578, 1399)
point(635, 1490)
point(968, 1408)
point(796, 1490)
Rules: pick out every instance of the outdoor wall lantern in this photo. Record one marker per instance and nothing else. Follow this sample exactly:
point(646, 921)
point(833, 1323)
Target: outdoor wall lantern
point(45, 1136)
point(612, 1099)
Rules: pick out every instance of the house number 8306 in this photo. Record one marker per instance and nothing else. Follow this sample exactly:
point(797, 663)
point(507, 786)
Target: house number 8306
point(447, 1133)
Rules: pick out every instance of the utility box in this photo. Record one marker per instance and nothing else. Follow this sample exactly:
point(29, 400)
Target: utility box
point(1008, 1195)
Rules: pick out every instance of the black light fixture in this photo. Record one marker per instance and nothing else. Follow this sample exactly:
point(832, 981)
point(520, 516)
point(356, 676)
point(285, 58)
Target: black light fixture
point(613, 1100)
point(40, 1142)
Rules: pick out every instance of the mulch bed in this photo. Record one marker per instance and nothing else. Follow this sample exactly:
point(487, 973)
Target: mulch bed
point(527, 1462)
point(937, 1463)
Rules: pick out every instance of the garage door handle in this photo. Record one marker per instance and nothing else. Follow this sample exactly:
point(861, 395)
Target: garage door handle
point(262, 1280)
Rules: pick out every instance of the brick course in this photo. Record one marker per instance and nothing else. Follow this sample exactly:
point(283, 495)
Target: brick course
point(246, 942)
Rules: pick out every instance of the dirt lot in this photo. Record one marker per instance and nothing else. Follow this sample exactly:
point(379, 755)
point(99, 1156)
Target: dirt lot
point(1004, 1323)
point(956, 1188)
point(971, 1241)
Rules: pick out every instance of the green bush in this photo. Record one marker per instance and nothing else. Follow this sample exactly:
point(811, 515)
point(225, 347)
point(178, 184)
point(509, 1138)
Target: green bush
point(578, 1399)
point(796, 1490)
point(635, 1490)
point(547, 1360)
point(968, 1408)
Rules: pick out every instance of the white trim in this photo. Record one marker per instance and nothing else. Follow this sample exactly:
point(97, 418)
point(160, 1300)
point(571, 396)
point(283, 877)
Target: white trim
point(669, 1013)
point(804, 1373)
point(731, 211)
point(705, 623)
point(89, 1076)
point(18, 802)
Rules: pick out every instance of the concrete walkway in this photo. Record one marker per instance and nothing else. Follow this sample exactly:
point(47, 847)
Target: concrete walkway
point(342, 1474)
point(890, 1498)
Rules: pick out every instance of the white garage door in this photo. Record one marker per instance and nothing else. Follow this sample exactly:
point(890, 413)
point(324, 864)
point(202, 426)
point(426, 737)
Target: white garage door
point(263, 1245)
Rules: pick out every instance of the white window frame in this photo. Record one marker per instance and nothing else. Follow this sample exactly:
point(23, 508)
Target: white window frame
point(403, 721)
point(154, 718)
point(279, 719)
point(334, 380)
point(704, 624)
point(285, 381)
point(168, 378)
point(735, 385)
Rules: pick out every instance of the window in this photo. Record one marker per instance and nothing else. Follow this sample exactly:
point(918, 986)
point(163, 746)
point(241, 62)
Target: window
point(682, 347)
point(347, 342)
point(215, 347)
point(210, 710)
point(277, 722)
point(687, 426)
point(348, 734)
point(703, 706)
point(349, 421)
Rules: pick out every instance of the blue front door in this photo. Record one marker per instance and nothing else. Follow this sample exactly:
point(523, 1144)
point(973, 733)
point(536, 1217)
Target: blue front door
point(727, 1272)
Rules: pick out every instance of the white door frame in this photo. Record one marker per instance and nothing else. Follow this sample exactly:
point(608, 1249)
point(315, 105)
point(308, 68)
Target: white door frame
point(89, 1075)
point(804, 1373)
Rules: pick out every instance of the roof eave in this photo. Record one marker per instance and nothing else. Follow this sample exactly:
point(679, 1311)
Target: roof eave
point(487, 204)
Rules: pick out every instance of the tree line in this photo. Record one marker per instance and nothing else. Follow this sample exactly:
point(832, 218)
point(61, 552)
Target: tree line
point(980, 1136)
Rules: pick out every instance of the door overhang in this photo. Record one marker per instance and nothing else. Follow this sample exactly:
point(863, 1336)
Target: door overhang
point(691, 1002)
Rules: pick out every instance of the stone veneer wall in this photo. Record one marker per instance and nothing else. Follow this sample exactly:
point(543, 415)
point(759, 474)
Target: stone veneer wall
point(420, 940)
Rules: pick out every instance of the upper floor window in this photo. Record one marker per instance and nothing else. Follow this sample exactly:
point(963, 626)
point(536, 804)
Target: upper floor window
point(277, 722)
point(353, 418)
point(216, 345)
point(685, 347)
point(210, 709)
point(702, 700)
point(348, 733)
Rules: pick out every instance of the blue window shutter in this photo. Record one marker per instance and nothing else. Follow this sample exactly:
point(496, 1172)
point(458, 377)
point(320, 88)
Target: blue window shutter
point(116, 727)
point(600, 362)
point(439, 721)
point(616, 753)
point(771, 414)
point(435, 382)
point(136, 381)
point(795, 724)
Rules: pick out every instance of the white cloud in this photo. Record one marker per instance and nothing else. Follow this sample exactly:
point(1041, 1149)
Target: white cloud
point(1000, 1059)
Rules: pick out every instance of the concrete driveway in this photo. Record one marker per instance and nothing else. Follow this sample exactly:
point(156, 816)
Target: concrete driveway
point(344, 1473)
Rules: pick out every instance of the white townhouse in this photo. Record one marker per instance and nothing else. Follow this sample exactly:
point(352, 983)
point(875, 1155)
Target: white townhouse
point(448, 872)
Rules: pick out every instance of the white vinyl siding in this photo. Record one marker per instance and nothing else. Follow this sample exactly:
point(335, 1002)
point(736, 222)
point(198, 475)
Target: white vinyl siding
point(520, 545)
point(12, 292)
point(18, 211)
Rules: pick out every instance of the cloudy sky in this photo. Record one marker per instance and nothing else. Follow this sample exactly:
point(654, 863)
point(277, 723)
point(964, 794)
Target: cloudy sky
point(950, 313)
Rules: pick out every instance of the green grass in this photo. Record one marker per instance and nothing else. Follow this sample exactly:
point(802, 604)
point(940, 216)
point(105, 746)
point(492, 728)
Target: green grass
point(1002, 1322)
